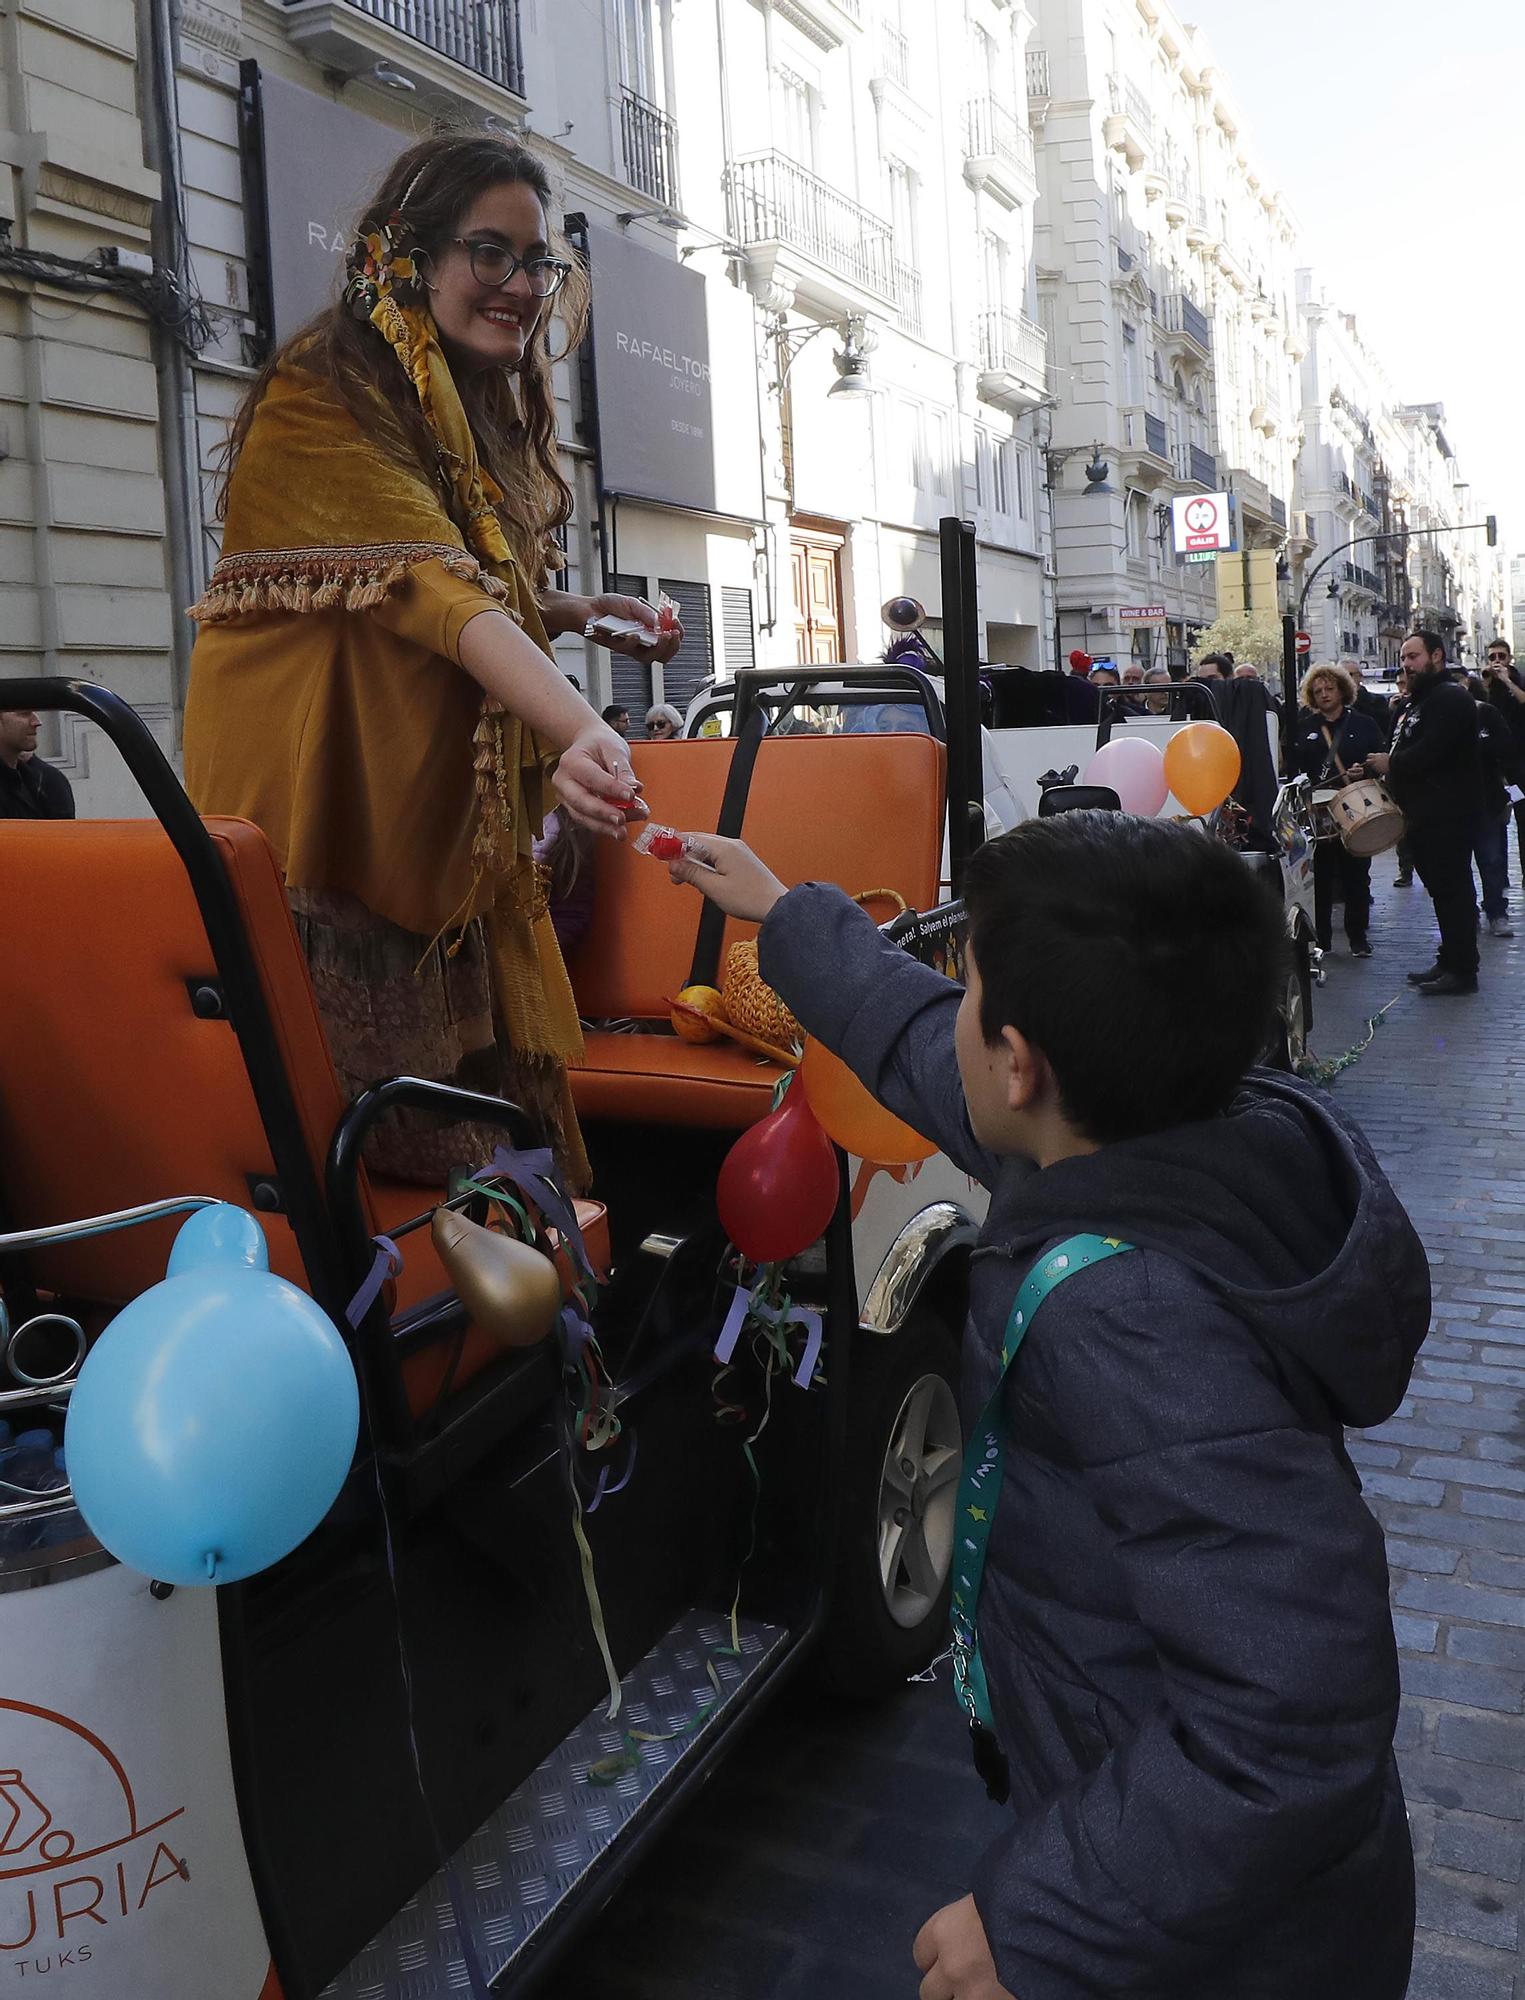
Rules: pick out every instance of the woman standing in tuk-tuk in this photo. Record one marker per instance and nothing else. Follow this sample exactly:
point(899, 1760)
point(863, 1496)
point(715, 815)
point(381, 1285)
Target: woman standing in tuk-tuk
point(372, 683)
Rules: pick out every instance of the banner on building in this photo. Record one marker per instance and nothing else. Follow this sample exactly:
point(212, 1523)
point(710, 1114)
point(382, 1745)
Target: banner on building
point(675, 368)
point(311, 162)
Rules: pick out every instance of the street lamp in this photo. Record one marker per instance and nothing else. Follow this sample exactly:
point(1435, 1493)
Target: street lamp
point(1097, 487)
point(850, 359)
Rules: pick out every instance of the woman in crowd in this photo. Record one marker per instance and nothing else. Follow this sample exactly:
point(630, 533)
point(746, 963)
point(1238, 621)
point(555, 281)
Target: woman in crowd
point(663, 723)
point(1329, 741)
point(373, 682)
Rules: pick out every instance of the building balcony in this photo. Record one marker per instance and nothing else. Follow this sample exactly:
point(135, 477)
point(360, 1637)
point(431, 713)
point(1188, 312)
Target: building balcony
point(1013, 361)
point(649, 145)
point(1180, 204)
point(1362, 579)
point(1187, 329)
point(431, 41)
point(1265, 417)
point(805, 240)
point(1129, 128)
point(998, 151)
point(908, 294)
point(1038, 74)
point(894, 56)
point(1262, 513)
point(1201, 228)
point(1194, 466)
point(1145, 460)
point(1345, 493)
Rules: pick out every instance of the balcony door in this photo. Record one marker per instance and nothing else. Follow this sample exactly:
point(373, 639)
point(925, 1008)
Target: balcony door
point(816, 578)
point(637, 64)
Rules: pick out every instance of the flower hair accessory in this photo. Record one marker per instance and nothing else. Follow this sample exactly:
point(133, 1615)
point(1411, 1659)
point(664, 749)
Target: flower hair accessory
point(375, 265)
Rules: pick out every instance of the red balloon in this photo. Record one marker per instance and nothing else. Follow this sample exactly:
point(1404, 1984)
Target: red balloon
point(779, 1184)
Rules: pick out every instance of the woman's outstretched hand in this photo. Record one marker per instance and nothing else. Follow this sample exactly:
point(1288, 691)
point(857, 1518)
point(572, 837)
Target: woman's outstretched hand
point(594, 781)
point(730, 874)
point(659, 647)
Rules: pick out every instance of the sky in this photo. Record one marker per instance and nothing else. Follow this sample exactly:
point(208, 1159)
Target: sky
point(1397, 133)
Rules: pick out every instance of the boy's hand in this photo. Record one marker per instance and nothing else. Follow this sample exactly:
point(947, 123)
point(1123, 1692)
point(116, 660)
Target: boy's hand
point(730, 874)
point(953, 1951)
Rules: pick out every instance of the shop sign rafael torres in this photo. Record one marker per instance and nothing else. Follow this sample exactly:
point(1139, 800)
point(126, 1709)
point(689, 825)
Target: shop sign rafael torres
point(1202, 523)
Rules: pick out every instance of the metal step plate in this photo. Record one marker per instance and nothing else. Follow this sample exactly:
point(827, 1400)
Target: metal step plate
point(541, 1842)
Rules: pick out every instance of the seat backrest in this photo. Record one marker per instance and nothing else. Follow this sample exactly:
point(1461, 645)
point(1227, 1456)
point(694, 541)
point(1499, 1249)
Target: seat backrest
point(865, 812)
point(113, 1091)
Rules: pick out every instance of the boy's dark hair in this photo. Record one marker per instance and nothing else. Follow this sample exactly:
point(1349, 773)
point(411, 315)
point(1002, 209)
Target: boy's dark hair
point(614, 710)
point(1145, 960)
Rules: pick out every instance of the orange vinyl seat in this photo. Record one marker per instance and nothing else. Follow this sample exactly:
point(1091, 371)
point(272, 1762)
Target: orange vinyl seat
point(864, 812)
point(115, 1091)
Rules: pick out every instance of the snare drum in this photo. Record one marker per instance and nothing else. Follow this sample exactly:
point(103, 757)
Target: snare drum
point(1365, 817)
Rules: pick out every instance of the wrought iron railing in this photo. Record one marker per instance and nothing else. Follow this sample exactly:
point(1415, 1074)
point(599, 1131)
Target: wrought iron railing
point(993, 131)
point(1192, 462)
point(894, 55)
point(1156, 437)
point(1184, 315)
point(773, 199)
point(649, 142)
point(1013, 344)
point(479, 34)
point(1278, 511)
point(1129, 101)
point(908, 297)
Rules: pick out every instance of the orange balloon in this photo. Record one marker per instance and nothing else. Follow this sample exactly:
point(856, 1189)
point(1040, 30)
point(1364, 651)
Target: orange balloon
point(857, 1121)
point(1202, 765)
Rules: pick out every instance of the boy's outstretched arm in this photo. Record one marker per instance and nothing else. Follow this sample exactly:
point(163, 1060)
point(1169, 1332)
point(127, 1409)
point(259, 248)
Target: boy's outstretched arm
point(889, 1018)
point(1258, 1576)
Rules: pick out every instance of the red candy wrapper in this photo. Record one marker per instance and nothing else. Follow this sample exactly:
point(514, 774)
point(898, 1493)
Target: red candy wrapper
point(662, 843)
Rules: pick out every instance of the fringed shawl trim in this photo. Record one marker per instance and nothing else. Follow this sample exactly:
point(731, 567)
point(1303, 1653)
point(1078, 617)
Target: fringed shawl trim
point(331, 579)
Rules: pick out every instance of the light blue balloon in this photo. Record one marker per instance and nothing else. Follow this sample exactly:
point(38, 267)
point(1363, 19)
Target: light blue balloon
point(215, 1419)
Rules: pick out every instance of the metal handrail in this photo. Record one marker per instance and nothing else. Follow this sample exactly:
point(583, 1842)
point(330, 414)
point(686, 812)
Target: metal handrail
point(771, 198)
point(481, 35)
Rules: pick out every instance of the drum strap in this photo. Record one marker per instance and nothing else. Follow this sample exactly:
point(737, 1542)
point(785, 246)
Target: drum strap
point(1329, 739)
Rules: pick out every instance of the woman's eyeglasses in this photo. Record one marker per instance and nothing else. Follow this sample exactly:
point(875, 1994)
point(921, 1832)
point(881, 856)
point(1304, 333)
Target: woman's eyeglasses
point(661, 727)
point(494, 266)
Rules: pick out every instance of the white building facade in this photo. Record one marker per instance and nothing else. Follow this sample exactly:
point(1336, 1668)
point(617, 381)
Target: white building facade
point(756, 187)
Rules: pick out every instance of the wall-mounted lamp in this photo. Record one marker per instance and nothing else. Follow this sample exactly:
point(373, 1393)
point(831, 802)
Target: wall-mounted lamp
point(850, 360)
point(392, 78)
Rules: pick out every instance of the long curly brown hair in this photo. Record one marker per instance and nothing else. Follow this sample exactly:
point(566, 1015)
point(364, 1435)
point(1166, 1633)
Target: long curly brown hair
point(512, 417)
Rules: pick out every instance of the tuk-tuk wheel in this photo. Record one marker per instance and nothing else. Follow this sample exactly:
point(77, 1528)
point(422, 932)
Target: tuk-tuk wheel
point(889, 1615)
point(1289, 1042)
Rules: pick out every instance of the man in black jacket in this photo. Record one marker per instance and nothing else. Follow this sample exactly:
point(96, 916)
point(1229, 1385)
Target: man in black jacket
point(1183, 1622)
point(1506, 691)
point(29, 789)
point(1434, 774)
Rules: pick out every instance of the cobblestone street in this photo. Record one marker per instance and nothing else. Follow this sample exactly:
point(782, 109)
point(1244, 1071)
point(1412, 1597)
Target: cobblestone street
point(806, 1872)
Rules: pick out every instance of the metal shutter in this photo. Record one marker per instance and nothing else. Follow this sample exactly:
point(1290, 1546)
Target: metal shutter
point(630, 680)
point(694, 662)
point(738, 635)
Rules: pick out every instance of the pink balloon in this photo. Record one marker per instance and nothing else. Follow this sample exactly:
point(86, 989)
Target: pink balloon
point(1135, 770)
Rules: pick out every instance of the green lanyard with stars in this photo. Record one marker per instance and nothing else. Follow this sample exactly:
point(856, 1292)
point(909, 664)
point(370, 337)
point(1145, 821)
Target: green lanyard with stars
point(979, 1490)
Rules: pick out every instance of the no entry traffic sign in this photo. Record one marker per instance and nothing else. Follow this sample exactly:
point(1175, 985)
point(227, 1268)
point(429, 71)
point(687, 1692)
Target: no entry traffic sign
point(1305, 642)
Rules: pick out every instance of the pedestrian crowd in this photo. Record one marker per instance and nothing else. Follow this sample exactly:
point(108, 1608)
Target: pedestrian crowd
point(1450, 749)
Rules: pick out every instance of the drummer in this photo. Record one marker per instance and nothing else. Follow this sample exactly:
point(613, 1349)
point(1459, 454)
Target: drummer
point(1330, 741)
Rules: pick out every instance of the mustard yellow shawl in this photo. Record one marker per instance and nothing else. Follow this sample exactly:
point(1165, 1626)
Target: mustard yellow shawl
point(325, 523)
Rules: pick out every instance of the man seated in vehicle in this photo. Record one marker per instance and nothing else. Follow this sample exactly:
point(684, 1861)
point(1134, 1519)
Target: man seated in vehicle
point(1183, 1646)
point(29, 788)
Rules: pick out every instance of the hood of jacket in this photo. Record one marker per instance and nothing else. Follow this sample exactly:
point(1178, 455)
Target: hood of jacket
point(1281, 1208)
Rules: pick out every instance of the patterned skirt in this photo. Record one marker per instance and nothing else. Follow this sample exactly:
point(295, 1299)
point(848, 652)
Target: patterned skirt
point(393, 1005)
